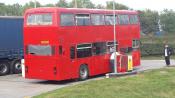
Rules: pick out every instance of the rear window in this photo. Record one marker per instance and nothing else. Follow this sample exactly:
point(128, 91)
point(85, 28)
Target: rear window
point(40, 50)
point(39, 19)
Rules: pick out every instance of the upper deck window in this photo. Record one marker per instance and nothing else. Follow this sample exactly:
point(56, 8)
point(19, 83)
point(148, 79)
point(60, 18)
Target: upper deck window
point(67, 19)
point(123, 19)
point(109, 19)
point(39, 19)
point(82, 19)
point(134, 19)
point(97, 19)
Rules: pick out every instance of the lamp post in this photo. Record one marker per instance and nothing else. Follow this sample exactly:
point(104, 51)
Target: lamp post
point(114, 17)
point(35, 3)
point(75, 3)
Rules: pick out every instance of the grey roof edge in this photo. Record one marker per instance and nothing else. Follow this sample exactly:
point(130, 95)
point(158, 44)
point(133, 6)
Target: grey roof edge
point(11, 17)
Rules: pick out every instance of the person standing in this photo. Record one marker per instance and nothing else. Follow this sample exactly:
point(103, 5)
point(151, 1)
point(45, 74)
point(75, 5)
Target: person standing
point(112, 58)
point(167, 54)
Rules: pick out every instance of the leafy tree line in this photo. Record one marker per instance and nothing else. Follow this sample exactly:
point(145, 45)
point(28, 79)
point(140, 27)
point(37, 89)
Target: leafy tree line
point(151, 21)
point(18, 10)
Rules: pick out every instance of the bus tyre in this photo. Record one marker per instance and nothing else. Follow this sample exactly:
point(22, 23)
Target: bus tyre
point(83, 72)
point(4, 68)
point(17, 68)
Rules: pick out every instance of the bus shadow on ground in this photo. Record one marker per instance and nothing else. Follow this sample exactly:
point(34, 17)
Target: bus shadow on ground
point(71, 81)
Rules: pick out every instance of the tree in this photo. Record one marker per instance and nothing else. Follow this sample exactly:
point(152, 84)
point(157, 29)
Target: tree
point(10, 10)
point(167, 19)
point(30, 5)
point(62, 3)
point(49, 5)
point(2, 9)
point(82, 4)
point(99, 6)
point(109, 5)
point(14, 10)
point(149, 21)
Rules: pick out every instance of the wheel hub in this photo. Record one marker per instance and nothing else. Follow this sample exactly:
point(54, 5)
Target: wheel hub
point(3, 68)
point(83, 73)
point(18, 66)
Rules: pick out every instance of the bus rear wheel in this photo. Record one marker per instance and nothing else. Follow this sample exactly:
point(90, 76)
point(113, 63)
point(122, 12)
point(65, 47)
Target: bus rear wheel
point(4, 68)
point(83, 72)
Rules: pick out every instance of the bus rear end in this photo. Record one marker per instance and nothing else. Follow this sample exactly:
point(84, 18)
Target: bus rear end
point(40, 29)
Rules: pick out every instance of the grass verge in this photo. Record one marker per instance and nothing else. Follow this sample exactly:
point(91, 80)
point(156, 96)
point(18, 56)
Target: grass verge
point(152, 84)
point(155, 57)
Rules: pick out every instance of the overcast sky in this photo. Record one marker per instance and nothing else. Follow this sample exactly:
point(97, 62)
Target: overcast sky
point(158, 5)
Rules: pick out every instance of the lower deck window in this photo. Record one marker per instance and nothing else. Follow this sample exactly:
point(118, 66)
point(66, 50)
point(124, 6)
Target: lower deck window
point(84, 50)
point(40, 50)
point(60, 50)
point(72, 52)
point(110, 46)
point(126, 50)
point(99, 48)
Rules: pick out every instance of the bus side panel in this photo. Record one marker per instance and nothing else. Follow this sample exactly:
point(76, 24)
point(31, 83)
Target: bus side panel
point(136, 58)
point(101, 64)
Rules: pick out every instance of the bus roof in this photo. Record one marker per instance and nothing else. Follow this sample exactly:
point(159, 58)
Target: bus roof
point(78, 10)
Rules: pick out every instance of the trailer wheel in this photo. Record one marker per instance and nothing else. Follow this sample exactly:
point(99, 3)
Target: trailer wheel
point(17, 68)
point(4, 68)
point(83, 72)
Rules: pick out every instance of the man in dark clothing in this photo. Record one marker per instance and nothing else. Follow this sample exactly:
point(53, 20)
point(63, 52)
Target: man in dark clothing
point(167, 53)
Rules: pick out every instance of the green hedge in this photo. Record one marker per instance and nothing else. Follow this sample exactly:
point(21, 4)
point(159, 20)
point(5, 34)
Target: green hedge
point(153, 49)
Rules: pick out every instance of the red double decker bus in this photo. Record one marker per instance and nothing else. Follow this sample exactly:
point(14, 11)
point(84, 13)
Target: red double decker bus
point(69, 43)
